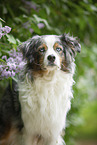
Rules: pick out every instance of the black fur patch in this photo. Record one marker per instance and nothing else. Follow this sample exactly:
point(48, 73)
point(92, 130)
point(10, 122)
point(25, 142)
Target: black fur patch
point(70, 47)
point(10, 110)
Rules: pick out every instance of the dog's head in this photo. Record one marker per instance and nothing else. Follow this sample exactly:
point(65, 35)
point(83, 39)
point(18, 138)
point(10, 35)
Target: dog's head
point(49, 52)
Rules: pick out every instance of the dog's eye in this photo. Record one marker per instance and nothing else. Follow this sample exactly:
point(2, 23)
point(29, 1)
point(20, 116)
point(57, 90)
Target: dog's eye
point(58, 49)
point(42, 49)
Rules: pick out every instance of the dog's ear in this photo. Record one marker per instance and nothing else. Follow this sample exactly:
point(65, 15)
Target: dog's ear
point(28, 48)
point(71, 44)
point(24, 47)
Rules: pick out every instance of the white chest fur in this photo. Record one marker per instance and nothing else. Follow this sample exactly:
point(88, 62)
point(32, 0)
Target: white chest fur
point(45, 103)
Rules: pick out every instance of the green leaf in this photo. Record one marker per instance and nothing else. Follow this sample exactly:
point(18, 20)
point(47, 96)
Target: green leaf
point(2, 60)
point(35, 28)
point(11, 39)
point(54, 2)
point(2, 20)
point(17, 20)
point(94, 8)
point(0, 24)
point(38, 19)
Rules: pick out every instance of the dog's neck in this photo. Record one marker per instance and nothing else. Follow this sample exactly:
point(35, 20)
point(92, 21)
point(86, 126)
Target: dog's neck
point(52, 81)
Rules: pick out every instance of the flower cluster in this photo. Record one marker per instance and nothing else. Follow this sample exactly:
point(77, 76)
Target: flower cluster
point(26, 25)
point(13, 65)
point(4, 31)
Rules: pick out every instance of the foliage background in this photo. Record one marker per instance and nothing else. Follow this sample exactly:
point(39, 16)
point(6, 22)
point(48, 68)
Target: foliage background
point(79, 18)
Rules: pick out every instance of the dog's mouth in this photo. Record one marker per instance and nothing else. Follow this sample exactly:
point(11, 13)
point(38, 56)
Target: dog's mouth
point(51, 64)
point(51, 67)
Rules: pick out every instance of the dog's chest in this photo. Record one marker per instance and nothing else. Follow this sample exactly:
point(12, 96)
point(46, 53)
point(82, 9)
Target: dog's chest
point(45, 103)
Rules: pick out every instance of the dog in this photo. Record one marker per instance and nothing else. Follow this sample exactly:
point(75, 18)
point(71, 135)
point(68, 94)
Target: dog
point(33, 109)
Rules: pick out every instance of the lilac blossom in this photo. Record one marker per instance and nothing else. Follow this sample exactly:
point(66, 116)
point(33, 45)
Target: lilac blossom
point(4, 57)
point(13, 65)
point(4, 31)
point(40, 25)
point(30, 5)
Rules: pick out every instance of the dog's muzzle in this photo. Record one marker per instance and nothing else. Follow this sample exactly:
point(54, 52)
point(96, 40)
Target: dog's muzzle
point(51, 60)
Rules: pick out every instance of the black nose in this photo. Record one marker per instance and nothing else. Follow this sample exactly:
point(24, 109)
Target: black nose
point(51, 58)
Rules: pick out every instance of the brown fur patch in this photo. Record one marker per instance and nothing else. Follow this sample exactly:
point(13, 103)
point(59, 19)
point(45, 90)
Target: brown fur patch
point(39, 73)
point(9, 137)
point(43, 46)
point(62, 58)
point(58, 45)
point(38, 140)
point(64, 64)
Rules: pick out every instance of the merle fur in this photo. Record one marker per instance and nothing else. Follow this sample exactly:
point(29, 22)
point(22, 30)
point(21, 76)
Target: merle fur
point(10, 110)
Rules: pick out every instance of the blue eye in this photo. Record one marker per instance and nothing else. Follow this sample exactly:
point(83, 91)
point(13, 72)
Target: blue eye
point(42, 49)
point(58, 49)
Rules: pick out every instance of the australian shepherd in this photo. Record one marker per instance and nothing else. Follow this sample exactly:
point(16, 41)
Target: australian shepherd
point(33, 110)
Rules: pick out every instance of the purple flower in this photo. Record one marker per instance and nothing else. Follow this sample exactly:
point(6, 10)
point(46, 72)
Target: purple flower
point(40, 25)
point(10, 60)
point(31, 30)
point(0, 35)
point(4, 57)
point(4, 31)
point(14, 64)
point(8, 73)
point(7, 29)
point(4, 73)
point(30, 4)
point(1, 68)
point(13, 73)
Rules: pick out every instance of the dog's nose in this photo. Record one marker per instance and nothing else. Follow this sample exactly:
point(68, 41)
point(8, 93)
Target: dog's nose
point(51, 58)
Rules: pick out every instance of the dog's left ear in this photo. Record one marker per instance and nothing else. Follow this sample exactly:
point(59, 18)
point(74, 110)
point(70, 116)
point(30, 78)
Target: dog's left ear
point(71, 44)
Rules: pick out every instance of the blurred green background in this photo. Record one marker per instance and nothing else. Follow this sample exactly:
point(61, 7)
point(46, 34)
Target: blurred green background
point(79, 18)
